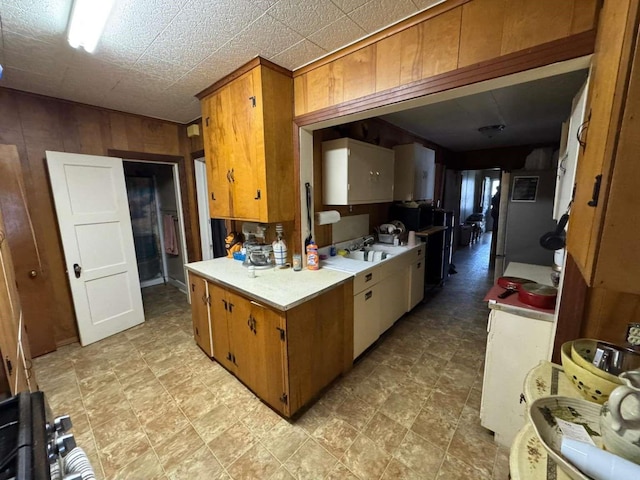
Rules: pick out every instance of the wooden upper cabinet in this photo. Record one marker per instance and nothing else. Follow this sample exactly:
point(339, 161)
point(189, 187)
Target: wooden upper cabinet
point(602, 234)
point(248, 136)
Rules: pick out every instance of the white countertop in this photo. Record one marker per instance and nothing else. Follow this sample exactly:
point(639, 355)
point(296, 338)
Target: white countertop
point(280, 289)
point(537, 273)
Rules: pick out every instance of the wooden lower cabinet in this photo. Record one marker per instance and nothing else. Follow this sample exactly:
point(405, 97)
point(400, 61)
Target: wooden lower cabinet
point(285, 357)
point(200, 313)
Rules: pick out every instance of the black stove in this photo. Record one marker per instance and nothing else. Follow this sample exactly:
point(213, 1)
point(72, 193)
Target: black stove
point(31, 441)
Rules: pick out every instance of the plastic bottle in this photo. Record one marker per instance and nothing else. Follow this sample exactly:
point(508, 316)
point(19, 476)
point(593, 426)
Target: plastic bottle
point(597, 463)
point(279, 247)
point(313, 259)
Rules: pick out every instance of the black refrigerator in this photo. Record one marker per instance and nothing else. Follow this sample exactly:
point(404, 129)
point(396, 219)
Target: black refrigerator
point(439, 249)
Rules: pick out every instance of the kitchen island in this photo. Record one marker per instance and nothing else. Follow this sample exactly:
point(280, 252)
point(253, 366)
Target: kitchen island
point(285, 334)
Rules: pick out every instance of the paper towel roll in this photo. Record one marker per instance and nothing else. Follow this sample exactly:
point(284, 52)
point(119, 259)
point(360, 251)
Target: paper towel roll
point(330, 216)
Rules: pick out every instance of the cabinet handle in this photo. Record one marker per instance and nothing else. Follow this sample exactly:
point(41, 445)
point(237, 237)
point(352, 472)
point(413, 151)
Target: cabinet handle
point(231, 307)
point(258, 195)
point(368, 295)
point(253, 101)
point(213, 197)
point(229, 176)
point(368, 277)
point(419, 252)
point(233, 179)
point(596, 192)
point(193, 287)
point(419, 265)
point(226, 307)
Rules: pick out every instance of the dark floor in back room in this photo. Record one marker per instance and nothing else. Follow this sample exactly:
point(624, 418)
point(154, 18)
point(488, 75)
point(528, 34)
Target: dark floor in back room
point(147, 403)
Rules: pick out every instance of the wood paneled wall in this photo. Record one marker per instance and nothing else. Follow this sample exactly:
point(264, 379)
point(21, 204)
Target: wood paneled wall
point(35, 124)
point(377, 132)
point(448, 37)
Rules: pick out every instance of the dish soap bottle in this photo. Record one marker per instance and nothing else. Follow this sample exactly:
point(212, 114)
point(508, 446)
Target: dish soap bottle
point(313, 259)
point(279, 247)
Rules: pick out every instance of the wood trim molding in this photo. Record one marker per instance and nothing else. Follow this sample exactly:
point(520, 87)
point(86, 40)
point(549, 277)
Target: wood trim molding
point(387, 32)
point(197, 154)
point(556, 51)
point(250, 65)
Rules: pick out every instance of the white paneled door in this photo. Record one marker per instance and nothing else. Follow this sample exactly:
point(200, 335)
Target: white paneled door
point(95, 225)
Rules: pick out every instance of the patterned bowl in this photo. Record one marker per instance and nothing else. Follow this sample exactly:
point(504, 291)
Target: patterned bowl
point(591, 386)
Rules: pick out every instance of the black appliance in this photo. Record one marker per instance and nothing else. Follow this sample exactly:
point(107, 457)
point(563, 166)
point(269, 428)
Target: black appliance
point(439, 249)
point(30, 440)
point(414, 216)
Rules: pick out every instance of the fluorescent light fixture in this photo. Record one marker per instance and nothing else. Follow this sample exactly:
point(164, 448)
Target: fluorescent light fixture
point(88, 18)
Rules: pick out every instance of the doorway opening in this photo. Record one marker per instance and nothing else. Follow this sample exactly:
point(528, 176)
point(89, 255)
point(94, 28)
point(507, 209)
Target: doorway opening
point(153, 191)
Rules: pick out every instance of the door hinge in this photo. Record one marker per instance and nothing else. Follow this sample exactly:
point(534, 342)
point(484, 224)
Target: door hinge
point(253, 101)
point(282, 333)
point(9, 366)
point(207, 122)
point(233, 359)
point(284, 399)
point(213, 196)
point(258, 195)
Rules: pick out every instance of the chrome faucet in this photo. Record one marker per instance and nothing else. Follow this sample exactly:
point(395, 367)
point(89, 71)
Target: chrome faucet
point(369, 240)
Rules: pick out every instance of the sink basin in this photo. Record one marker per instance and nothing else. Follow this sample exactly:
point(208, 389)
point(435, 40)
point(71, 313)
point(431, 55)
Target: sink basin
point(383, 247)
point(369, 255)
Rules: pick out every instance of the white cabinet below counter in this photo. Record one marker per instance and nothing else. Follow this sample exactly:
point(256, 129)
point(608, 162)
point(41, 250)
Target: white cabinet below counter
point(355, 172)
point(383, 293)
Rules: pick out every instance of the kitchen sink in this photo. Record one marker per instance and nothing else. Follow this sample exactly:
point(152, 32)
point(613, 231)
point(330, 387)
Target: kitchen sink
point(369, 254)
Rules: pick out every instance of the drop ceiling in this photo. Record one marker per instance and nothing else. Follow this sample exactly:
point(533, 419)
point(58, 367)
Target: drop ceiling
point(155, 55)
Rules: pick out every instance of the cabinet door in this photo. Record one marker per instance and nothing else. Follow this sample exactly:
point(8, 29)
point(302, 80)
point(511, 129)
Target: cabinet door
point(425, 169)
point(258, 347)
point(593, 214)
point(217, 142)
point(247, 157)
point(393, 302)
point(218, 310)
point(416, 283)
point(366, 319)
point(200, 313)
point(381, 184)
point(515, 345)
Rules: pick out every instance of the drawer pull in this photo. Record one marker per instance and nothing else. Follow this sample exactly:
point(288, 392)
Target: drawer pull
point(419, 265)
point(368, 295)
point(368, 277)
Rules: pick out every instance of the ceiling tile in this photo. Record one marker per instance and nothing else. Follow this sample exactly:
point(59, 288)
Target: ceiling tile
point(377, 14)
point(139, 22)
point(46, 21)
point(94, 75)
point(338, 34)
point(158, 67)
point(192, 36)
point(265, 37)
point(349, 5)
point(299, 54)
point(111, 51)
point(31, 55)
point(29, 82)
point(305, 17)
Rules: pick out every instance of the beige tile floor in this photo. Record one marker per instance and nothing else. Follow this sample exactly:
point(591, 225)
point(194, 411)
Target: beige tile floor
point(147, 403)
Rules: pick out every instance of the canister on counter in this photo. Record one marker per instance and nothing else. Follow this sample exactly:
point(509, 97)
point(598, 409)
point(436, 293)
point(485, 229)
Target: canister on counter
point(297, 262)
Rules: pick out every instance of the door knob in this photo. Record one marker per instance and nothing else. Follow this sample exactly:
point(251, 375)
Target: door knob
point(77, 270)
point(33, 274)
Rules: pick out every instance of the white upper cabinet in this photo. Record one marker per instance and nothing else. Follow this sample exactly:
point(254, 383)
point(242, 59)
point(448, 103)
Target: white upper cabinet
point(355, 172)
point(415, 170)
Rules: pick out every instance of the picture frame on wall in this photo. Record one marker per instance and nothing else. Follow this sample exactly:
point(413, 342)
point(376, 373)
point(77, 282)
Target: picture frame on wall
point(525, 189)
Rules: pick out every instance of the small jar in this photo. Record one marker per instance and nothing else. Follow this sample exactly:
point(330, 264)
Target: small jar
point(297, 262)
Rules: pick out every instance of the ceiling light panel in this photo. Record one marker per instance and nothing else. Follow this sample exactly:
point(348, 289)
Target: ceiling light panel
point(88, 19)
